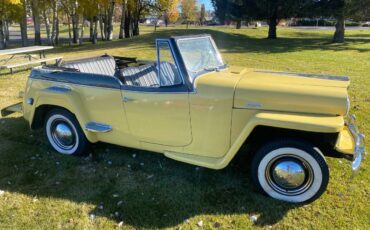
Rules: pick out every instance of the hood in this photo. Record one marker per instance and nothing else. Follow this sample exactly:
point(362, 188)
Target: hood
point(292, 92)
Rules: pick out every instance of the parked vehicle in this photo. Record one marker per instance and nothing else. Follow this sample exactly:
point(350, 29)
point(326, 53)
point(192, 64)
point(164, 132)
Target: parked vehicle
point(191, 107)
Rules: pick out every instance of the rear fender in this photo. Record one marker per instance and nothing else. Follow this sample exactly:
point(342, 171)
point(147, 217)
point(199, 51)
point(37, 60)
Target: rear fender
point(67, 99)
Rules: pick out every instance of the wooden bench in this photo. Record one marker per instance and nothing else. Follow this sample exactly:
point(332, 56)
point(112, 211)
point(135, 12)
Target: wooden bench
point(42, 60)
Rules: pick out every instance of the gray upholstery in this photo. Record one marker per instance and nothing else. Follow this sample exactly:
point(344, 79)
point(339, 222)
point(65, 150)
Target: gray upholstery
point(146, 75)
point(105, 65)
point(169, 74)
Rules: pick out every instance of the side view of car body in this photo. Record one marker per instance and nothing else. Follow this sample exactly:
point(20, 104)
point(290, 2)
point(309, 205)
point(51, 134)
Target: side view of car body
point(191, 107)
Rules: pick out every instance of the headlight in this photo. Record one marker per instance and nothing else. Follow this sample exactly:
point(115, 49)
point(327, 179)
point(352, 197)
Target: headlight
point(348, 105)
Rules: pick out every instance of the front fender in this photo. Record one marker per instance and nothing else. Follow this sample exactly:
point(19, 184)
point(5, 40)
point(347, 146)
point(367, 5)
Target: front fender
point(252, 119)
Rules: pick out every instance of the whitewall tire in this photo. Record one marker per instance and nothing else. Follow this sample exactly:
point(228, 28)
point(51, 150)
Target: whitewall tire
point(290, 170)
point(64, 133)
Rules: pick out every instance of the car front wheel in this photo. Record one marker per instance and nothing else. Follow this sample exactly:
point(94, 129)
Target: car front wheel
point(290, 170)
point(64, 133)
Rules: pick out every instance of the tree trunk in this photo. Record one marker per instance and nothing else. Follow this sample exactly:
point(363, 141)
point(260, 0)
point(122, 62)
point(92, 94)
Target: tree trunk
point(36, 21)
point(82, 31)
point(110, 22)
point(122, 25)
point(95, 38)
point(339, 30)
point(2, 35)
point(272, 27)
point(75, 28)
point(54, 22)
point(57, 32)
point(91, 29)
point(238, 24)
point(102, 35)
point(135, 19)
point(69, 31)
point(155, 25)
point(135, 29)
point(23, 24)
point(47, 26)
point(6, 27)
point(187, 24)
point(127, 24)
point(24, 36)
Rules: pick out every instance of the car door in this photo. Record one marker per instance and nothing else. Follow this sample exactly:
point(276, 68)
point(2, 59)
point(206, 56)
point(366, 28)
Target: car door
point(156, 100)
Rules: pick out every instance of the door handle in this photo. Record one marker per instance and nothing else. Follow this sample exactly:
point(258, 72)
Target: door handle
point(128, 99)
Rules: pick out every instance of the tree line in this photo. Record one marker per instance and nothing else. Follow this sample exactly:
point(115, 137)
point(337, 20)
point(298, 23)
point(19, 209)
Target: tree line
point(273, 11)
point(98, 14)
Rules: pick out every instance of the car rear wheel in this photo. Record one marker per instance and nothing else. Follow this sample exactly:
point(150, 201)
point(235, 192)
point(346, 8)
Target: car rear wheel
point(290, 170)
point(64, 133)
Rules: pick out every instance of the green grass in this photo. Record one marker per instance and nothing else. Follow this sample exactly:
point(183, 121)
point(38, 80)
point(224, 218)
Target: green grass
point(44, 190)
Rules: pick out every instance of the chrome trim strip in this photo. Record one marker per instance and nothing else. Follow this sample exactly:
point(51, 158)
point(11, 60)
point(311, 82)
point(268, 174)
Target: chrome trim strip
point(97, 127)
point(319, 76)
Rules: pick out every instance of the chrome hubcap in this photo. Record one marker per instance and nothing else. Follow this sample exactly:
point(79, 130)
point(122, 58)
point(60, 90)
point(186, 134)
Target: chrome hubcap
point(289, 175)
point(63, 135)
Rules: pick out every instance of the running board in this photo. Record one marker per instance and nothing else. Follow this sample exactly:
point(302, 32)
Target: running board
point(97, 127)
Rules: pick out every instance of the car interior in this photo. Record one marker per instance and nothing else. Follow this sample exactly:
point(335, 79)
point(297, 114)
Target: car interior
point(129, 71)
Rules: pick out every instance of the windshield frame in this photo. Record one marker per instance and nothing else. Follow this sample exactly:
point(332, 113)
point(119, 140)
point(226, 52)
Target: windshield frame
point(193, 75)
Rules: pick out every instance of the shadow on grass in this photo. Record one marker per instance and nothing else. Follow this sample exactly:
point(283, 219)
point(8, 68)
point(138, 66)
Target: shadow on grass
point(239, 42)
point(235, 42)
point(145, 191)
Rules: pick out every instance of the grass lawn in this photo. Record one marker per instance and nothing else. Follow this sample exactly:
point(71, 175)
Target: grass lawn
point(45, 191)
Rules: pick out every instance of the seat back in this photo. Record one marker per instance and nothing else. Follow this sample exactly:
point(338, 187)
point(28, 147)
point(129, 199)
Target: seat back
point(105, 65)
point(145, 76)
point(169, 74)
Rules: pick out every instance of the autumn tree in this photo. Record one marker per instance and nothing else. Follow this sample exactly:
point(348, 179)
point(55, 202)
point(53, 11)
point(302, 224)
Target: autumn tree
point(188, 11)
point(162, 8)
point(5, 14)
point(172, 15)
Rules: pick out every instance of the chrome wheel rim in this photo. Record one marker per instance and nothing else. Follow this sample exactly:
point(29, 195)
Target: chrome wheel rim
point(63, 135)
point(289, 175)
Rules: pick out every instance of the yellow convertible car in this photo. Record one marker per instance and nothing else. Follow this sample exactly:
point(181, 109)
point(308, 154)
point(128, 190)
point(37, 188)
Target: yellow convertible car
point(191, 107)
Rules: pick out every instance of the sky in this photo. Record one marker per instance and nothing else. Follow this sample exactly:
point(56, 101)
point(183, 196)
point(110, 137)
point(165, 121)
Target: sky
point(207, 3)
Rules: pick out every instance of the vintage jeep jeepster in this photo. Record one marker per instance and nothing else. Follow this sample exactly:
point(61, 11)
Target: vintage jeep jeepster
point(191, 107)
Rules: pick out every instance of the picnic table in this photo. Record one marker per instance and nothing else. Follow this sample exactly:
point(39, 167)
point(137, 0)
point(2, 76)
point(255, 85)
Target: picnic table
point(25, 52)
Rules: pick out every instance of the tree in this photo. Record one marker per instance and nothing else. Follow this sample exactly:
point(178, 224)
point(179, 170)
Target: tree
point(188, 11)
point(23, 22)
point(35, 6)
point(275, 10)
point(221, 9)
point(161, 8)
point(6, 7)
point(239, 10)
point(172, 15)
point(122, 24)
point(342, 10)
point(202, 16)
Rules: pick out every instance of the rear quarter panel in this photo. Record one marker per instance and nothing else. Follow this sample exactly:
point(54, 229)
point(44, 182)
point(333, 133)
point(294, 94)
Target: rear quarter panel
point(87, 103)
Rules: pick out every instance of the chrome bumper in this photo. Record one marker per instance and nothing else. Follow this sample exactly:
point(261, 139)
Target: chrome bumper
point(359, 138)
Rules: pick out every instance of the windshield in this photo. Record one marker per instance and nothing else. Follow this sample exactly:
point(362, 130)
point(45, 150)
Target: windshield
point(199, 54)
